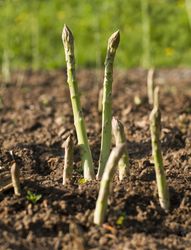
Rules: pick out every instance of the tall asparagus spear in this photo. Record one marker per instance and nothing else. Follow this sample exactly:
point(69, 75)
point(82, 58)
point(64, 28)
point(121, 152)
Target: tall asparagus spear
point(113, 43)
point(119, 134)
point(155, 128)
point(68, 160)
point(101, 204)
point(87, 162)
point(150, 85)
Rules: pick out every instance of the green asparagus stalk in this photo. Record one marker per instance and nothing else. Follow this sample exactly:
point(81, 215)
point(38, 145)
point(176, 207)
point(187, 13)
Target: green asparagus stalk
point(15, 176)
point(150, 85)
point(119, 134)
point(68, 161)
point(155, 128)
point(87, 162)
point(102, 201)
point(113, 43)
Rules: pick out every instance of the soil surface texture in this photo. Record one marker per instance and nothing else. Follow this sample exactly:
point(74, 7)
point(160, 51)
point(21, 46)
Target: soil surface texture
point(35, 120)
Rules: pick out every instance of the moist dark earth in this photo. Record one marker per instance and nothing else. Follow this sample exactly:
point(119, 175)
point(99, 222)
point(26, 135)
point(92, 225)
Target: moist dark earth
point(35, 120)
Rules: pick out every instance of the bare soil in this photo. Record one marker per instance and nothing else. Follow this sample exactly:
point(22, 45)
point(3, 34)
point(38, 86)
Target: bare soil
point(36, 118)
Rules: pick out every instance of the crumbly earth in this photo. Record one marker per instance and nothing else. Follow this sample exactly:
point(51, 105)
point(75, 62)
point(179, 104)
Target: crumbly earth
point(36, 118)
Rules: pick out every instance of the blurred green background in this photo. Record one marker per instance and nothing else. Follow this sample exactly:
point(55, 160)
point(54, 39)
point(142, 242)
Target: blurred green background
point(153, 32)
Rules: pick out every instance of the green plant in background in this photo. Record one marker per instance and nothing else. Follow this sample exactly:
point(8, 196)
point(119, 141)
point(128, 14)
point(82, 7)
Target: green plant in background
point(155, 128)
point(32, 197)
point(82, 181)
point(31, 22)
point(87, 162)
point(113, 43)
point(120, 219)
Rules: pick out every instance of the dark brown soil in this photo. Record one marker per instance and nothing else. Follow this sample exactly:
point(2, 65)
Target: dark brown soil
point(36, 118)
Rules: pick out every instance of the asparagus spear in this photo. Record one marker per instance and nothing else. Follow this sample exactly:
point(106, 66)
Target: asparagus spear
point(113, 43)
point(150, 85)
point(155, 128)
point(101, 204)
point(68, 161)
point(87, 162)
point(15, 176)
point(119, 134)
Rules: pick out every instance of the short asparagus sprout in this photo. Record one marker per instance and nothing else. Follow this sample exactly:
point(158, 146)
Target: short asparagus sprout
point(155, 128)
point(150, 85)
point(119, 134)
point(15, 176)
point(102, 201)
point(100, 98)
point(106, 136)
point(68, 161)
point(87, 162)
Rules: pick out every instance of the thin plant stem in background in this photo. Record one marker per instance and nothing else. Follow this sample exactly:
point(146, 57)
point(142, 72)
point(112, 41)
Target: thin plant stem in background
point(150, 85)
point(68, 160)
point(102, 201)
point(87, 162)
point(100, 98)
point(188, 10)
point(106, 135)
point(119, 134)
point(6, 72)
point(35, 42)
point(155, 128)
point(146, 60)
point(15, 177)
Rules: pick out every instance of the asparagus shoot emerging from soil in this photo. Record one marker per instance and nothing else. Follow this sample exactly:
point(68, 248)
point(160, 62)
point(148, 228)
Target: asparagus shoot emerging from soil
point(155, 128)
point(119, 134)
point(68, 161)
point(87, 162)
point(113, 43)
point(101, 204)
point(150, 85)
point(15, 176)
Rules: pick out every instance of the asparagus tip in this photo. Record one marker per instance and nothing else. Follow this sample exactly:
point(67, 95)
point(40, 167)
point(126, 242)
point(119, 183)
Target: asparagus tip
point(116, 123)
point(68, 141)
point(67, 35)
point(114, 40)
point(151, 72)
